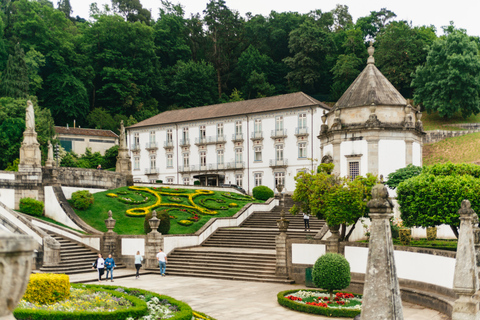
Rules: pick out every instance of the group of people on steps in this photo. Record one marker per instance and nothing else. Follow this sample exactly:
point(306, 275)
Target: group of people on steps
point(109, 265)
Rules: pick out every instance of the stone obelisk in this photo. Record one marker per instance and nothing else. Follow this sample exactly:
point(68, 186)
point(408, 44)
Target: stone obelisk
point(30, 156)
point(124, 163)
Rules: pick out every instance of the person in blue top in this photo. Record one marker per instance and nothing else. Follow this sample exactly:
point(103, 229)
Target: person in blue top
point(110, 265)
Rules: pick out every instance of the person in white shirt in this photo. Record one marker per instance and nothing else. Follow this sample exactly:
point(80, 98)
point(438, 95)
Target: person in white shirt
point(99, 264)
point(138, 264)
point(162, 261)
point(306, 221)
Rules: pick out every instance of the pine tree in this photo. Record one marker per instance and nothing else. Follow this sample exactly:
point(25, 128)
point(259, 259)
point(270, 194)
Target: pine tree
point(15, 77)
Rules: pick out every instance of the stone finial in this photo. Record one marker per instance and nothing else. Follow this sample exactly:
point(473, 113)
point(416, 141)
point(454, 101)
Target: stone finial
point(380, 197)
point(371, 50)
point(373, 108)
point(324, 117)
point(466, 209)
point(110, 222)
point(154, 222)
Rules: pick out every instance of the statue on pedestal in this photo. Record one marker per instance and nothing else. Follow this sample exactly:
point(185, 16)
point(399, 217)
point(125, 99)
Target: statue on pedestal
point(30, 156)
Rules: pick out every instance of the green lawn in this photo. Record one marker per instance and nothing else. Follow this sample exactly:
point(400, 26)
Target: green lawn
point(457, 150)
point(434, 121)
point(175, 200)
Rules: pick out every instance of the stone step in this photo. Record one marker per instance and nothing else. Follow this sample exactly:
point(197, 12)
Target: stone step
point(219, 261)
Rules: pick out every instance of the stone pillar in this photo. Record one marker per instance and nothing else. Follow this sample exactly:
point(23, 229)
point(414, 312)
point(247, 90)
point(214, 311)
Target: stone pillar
point(51, 251)
point(336, 158)
point(373, 156)
point(281, 269)
point(408, 151)
point(50, 163)
point(381, 293)
point(465, 281)
point(124, 163)
point(16, 256)
point(110, 237)
point(30, 156)
point(154, 242)
point(334, 240)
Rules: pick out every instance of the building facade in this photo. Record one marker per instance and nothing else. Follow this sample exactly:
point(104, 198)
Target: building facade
point(248, 143)
point(79, 139)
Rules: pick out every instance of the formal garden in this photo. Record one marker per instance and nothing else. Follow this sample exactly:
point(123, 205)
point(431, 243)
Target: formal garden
point(182, 211)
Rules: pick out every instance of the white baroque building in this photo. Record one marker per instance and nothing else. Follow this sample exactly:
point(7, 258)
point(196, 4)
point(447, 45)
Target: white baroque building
point(248, 143)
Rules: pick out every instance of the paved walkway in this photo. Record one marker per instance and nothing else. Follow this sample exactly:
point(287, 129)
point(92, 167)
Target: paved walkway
point(231, 300)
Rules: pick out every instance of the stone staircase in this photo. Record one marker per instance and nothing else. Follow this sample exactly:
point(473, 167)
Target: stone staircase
point(241, 253)
point(75, 257)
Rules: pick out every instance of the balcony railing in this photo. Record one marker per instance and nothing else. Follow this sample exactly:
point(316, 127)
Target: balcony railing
point(151, 145)
point(278, 163)
point(168, 144)
point(235, 165)
point(257, 135)
point(184, 169)
point(237, 137)
point(210, 140)
point(135, 147)
point(152, 171)
point(301, 131)
point(184, 142)
point(282, 133)
point(212, 167)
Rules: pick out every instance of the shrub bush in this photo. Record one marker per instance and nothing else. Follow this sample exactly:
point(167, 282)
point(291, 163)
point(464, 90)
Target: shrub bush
point(31, 206)
point(196, 182)
point(82, 200)
point(331, 272)
point(262, 193)
point(164, 226)
point(47, 288)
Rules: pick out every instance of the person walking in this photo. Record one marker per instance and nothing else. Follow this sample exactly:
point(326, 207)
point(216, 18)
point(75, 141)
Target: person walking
point(110, 265)
point(99, 264)
point(162, 261)
point(138, 264)
point(306, 221)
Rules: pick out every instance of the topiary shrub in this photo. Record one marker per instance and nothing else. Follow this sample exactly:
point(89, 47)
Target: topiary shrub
point(331, 272)
point(82, 200)
point(164, 226)
point(47, 288)
point(196, 182)
point(31, 206)
point(262, 193)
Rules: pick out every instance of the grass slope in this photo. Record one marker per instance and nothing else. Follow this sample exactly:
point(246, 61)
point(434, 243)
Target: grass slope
point(435, 122)
point(95, 216)
point(456, 150)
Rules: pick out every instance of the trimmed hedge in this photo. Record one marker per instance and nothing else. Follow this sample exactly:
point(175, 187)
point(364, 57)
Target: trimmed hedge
point(139, 310)
point(47, 288)
point(82, 199)
point(262, 193)
point(329, 312)
point(31, 206)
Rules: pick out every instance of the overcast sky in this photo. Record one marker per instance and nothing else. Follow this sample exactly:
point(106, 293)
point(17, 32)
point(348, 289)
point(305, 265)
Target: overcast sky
point(465, 13)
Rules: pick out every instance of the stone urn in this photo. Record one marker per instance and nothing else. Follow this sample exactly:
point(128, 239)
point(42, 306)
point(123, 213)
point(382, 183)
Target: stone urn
point(16, 257)
point(334, 230)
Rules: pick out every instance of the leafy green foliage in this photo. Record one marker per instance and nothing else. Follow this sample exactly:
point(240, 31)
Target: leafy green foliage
point(14, 82)
point(402, 174)
point(31, 206)
point(450, 79)
point(331, 272)
point(164, 225)
point(82, 199)
point(262, 193)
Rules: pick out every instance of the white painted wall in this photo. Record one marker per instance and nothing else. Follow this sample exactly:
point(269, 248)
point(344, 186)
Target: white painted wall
point(67, 191)
point(54, 211)
point(130, 246)
point(327, 151)
point(391, 155)
point(7, 196)
point(356, 147)
point(5, 175)
point(306, 253)
point(416, 154)
point(10, 217)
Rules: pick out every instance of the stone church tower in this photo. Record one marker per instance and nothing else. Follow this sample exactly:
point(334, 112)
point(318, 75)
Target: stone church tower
point(371, 129)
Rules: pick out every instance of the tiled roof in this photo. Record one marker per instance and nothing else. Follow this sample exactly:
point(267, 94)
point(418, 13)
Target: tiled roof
point(85, 132)
point(286, 101)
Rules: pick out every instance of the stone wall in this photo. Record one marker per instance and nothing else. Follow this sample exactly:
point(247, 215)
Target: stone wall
point(438, 135)
point(90, 178)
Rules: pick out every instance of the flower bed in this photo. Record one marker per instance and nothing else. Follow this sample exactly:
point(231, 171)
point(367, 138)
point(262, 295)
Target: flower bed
point(216, 205)
point(236, 196)
point(318, 302)
point(136, 304)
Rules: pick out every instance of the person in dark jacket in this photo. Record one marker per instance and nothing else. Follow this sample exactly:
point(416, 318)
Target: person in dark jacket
point(110, 265)
point(99, 264)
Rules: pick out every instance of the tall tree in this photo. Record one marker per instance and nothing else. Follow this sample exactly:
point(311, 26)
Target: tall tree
point(132, 10)
point(374, 23)
point(450, 79)
point(15, 77)
point(65, 7)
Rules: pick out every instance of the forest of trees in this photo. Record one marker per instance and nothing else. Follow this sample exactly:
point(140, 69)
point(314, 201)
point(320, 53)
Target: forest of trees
point(120, 63)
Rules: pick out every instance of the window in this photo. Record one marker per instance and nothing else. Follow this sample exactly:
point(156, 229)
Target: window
point(185, 134)
point(258, 125)
point(257, 154)
point(238, 127)
point(279, 123)
point(258, 179)
point(220, 130)
point(203, 158)
point(153, 162)
point(136, 139)
point(238, 155)
point(170, 180)
point(203, 133)
point(136, 163)
point(169, 160)
point(220, 157)
point(186, 181)
point(280, 179)
point(186, 160)
point(239, 179)
point(302, 121)
point(152, 137)
point(279, 152)
point(169, 135)
point(353, 169)
point(302, 150)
